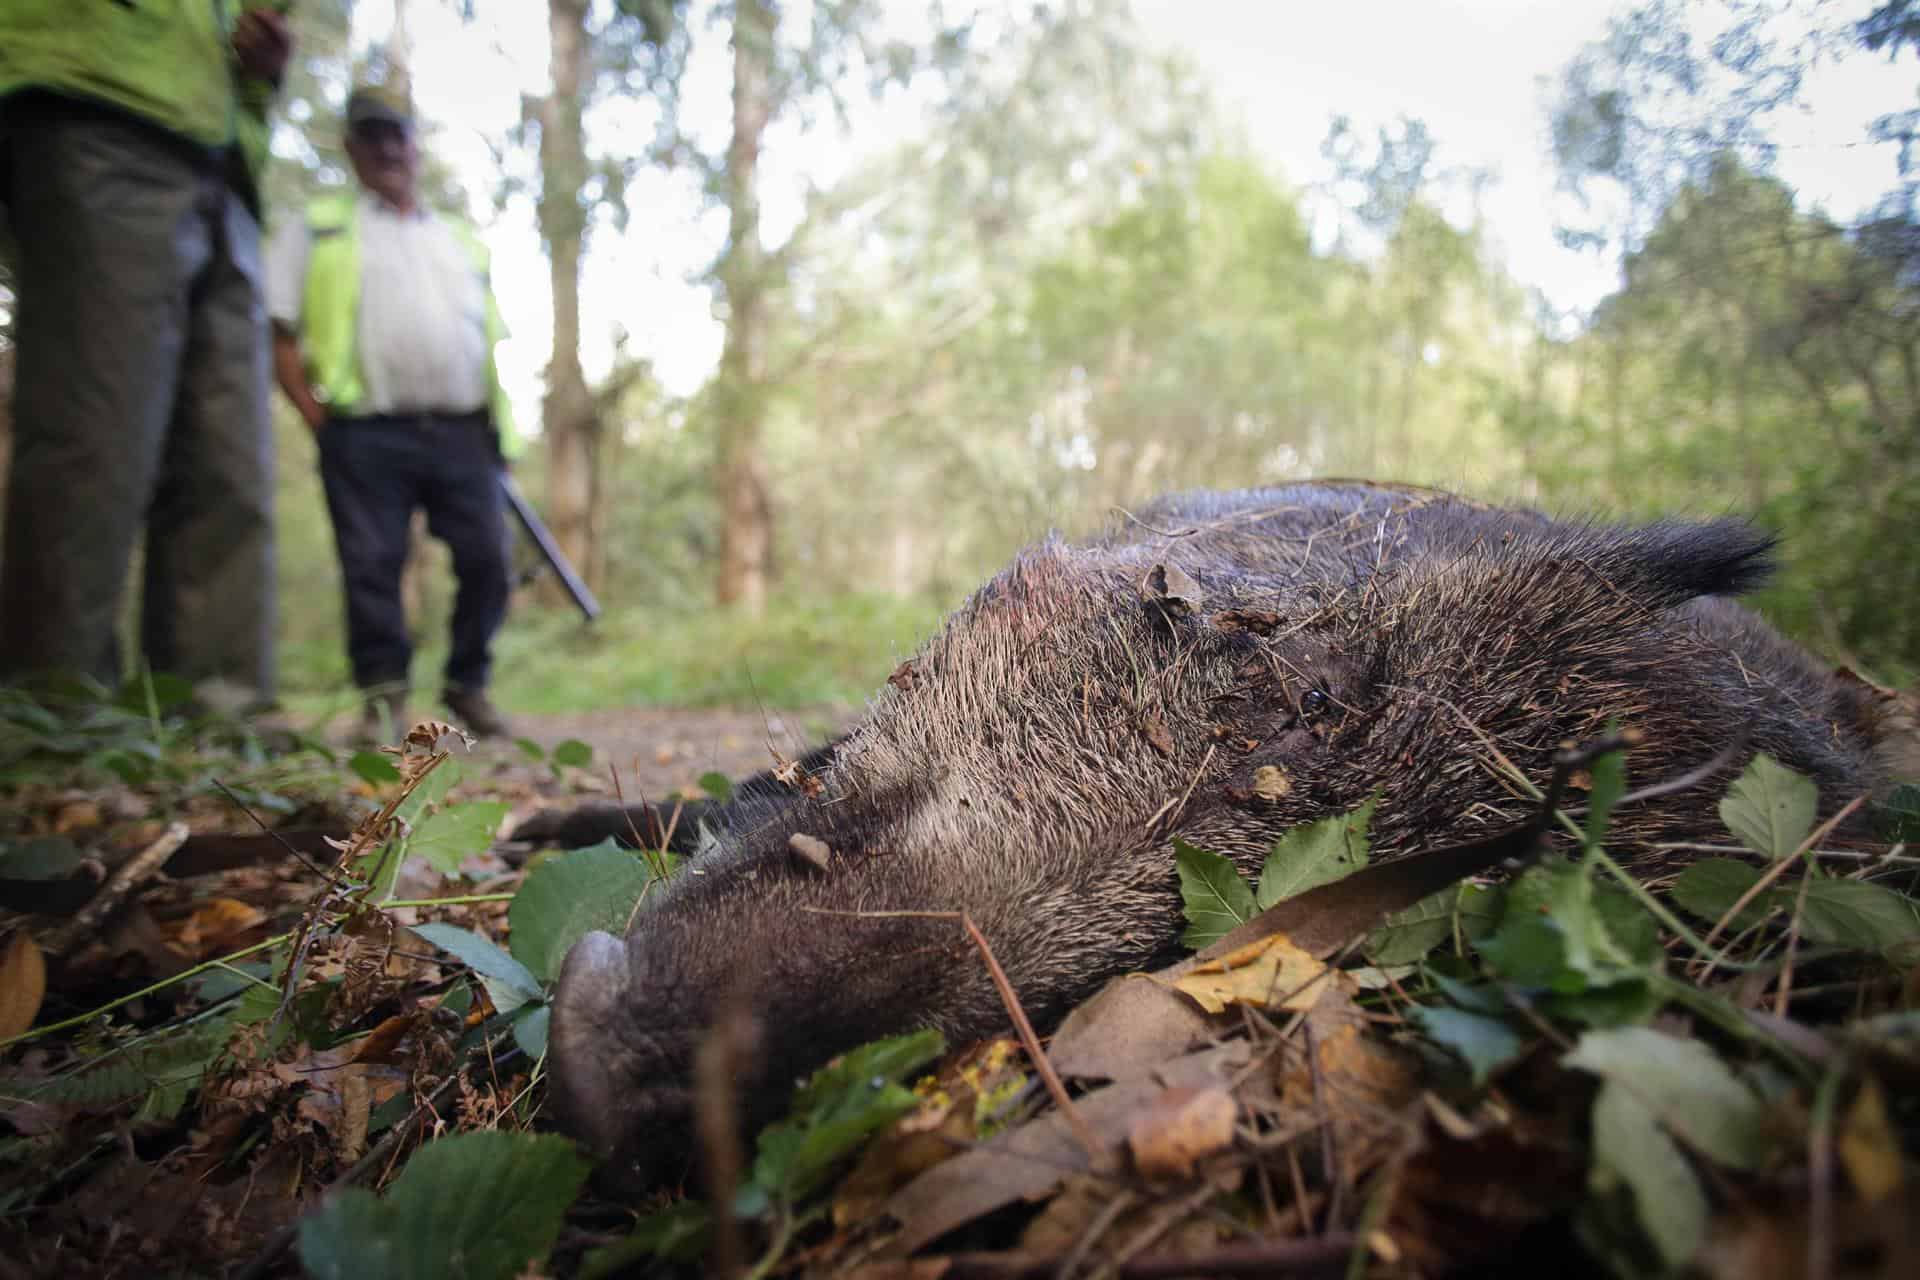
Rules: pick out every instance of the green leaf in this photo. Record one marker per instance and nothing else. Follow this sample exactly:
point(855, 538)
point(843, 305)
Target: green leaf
point(1487, 1044)
point(531, 750)
point(1310, 856)
point(717, 785)
point(1838, 913)
point(508, 983)
point(39, 858)
point(530, 1030)
point(1691, 1091)
point(572, 752)
point(372, 766)
point(1213, 894)
point(483, 1206)
point(1532, 951)
point(451, 836)
point(1897, 818)
point(1563, 933)
point(1629, 1144)
point(1770, 807)
point(1856, 914)
point(1617, 1004)
point(1609, 774)
point(677, 1233)
point(834, 1112)
point(1411, 934)
point(570, 895)
point(432, 790)
point(1709, 889)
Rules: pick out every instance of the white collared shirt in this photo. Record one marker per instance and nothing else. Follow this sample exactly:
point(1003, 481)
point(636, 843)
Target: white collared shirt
point(423, 309)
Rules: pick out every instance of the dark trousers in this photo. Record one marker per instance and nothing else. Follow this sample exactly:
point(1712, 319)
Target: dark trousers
point(377, 472)
point(140, 401)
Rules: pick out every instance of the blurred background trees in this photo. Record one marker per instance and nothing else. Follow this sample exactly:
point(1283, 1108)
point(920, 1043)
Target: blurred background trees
point(1054, 276)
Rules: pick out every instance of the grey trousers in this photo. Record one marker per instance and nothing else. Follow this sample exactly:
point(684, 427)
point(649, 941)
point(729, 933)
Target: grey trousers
point(140, 401)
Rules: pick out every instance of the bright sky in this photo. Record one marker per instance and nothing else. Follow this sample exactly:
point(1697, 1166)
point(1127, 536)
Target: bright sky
point(1474, 70)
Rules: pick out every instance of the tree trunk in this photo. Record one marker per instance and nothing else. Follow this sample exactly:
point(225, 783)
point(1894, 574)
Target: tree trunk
point(746, 533)
point(570, 424)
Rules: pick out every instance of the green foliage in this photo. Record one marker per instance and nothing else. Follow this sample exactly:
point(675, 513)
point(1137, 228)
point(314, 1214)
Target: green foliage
point(508, 982)
point(1586, 947)
point(168, 1063)
point(1212, 894)
point(677, 1233)
point(1771, 808)
point(1630, 1147)
point(571, 753)
point(1484, 1042)
point(373, 767)
point(1469, 910)
point(1690, 1090)
point(569, 895)
point(451, 836)
point(485, 1205)
point(718, 786)
point(1898, 816)
point(833, 1113)
point(1316, 854)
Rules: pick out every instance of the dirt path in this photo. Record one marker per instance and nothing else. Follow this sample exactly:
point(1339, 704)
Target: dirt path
point(663, 750)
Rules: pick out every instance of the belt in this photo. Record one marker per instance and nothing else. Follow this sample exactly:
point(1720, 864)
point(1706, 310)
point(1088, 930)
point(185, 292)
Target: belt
point(413, 419)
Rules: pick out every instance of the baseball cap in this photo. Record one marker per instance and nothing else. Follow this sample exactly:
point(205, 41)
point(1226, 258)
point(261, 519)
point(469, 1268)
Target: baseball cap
point(369, 103)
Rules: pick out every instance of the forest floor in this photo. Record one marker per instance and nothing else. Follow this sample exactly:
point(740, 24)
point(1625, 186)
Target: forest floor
point(221, 1055)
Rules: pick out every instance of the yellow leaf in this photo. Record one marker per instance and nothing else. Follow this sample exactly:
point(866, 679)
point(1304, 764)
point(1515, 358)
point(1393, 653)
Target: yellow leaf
point(1867, 1145)
point(1258, 974)
point(23, 984)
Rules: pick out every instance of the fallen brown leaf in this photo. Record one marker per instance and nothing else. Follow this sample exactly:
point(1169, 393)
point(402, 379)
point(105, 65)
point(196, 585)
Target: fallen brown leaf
point(213, 926)
point(1182, 1127)
point(23, 984)
point(1027, 1162)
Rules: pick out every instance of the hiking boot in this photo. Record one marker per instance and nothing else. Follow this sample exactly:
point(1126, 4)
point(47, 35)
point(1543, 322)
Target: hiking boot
point(476, 713)
point(383, 717)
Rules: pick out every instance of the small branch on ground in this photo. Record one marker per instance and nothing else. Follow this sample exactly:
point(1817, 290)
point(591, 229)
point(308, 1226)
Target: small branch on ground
point(133, 873)
point(722, 1055)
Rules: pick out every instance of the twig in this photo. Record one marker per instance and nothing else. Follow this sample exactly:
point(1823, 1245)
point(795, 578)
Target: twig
point(1031, 1042)
point(1322, 1256)
point(133, 873)
point(1784, 995)
point(279, 839)
point(1102, 1222)
point(1329, 1160)
point(1826, 1101)
point(131, 996)
point(716, 1066)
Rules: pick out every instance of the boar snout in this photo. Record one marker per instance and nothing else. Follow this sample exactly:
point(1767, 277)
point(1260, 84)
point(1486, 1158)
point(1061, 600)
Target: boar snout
point(617, 1086)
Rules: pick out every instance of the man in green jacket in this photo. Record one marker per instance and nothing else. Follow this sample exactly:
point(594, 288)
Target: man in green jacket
point(132, 138)
point(384, 328)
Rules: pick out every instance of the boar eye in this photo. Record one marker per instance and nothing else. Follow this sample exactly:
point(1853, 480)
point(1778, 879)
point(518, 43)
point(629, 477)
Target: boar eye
point(1313, 702)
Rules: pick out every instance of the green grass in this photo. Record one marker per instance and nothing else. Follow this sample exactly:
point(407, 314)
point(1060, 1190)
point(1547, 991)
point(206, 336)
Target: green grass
point(803, 653)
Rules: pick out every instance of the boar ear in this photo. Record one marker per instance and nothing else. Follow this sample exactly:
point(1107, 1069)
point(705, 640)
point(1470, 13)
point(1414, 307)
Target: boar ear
point(1672, 561)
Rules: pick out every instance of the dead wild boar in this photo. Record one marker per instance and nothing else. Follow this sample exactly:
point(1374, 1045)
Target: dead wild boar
point(1034, 763)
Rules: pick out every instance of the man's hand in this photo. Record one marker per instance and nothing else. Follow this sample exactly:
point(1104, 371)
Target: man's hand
point(289, 370)
point(262, 41)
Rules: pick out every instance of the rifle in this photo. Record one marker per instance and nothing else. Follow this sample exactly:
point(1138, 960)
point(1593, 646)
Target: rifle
point(551, 556)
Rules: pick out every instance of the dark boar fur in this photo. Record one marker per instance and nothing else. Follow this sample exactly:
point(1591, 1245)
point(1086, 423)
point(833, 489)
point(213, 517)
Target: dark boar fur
point(1034, 763)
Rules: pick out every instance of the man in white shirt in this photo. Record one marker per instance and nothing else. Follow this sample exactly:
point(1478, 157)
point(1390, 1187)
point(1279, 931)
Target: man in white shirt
point(384, 327)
